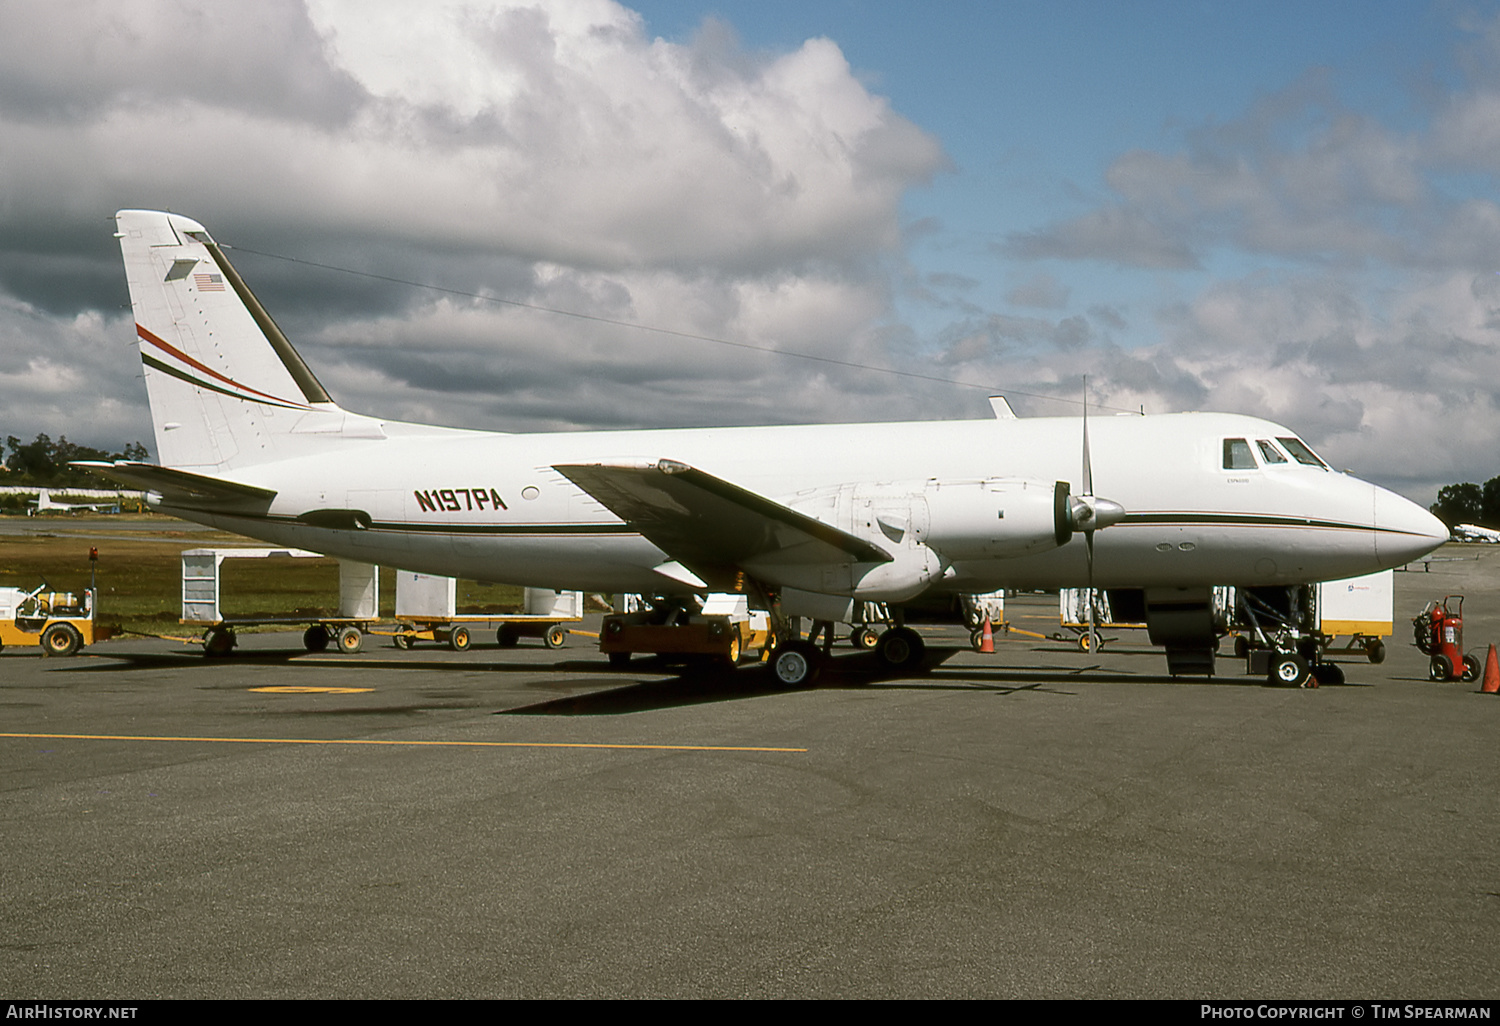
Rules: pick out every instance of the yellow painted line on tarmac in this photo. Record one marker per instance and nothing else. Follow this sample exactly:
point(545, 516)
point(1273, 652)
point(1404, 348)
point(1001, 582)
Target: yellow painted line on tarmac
point(299, 689)
point(438, 744)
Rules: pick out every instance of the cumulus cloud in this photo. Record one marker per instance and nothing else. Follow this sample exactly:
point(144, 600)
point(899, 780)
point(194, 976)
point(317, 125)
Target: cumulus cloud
point(547, 153)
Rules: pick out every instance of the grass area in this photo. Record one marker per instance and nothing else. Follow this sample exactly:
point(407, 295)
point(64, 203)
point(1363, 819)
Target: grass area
point(140, 573)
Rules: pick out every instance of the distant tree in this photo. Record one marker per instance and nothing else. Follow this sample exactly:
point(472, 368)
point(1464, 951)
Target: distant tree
point(45, 462)
point(1459, 504)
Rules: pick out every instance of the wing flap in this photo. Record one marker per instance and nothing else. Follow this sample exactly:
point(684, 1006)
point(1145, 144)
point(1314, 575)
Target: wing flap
point(710, 525)
point(181, 488)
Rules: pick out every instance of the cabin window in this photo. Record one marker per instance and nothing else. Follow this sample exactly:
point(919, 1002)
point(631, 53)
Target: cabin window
point(1269, 452)
point(1237, 455)
point(1301, 453)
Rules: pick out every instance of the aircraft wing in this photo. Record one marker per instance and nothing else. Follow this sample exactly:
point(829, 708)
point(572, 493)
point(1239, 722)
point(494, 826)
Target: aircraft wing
point(181, 488)
point(711, 526)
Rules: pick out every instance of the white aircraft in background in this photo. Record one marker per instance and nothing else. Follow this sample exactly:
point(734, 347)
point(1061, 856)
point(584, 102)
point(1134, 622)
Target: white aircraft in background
point(1473, 532)
point(818, 517)
point(44, 504)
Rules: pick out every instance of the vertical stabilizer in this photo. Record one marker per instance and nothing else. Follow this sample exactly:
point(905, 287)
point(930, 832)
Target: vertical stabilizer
point(227, 389)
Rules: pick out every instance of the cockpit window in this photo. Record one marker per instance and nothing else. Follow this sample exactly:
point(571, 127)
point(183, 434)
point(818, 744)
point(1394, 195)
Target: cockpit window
point(1269, 452)
point(1301, 453)
point(1237, 455)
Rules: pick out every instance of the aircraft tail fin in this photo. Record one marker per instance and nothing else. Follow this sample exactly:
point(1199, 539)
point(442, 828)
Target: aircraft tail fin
point(226, 388)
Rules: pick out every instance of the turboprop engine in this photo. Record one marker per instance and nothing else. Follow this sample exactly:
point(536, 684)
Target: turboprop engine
point(928, 525)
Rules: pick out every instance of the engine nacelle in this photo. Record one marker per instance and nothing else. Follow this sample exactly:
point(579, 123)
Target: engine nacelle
point(996, 517)
point(926, 526)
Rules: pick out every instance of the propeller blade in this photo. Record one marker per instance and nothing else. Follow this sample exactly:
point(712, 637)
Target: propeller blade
point(1088, 465)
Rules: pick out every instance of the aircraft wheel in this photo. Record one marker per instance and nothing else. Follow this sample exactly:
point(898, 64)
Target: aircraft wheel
point(1441, 668)
point(556, 636)
point(315, 638)
point(218, 643)
point(1472, 669)
point(1290, 669)
point(351, 640)
point(864, 637)
point(458, 639)
point(61, 639)
point(507, 636)
point(900, 648)
point(796, 664)
point(1375, 651)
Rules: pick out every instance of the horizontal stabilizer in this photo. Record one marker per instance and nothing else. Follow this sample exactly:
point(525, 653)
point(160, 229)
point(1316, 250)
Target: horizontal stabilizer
point(179, 487)
point(710, 525)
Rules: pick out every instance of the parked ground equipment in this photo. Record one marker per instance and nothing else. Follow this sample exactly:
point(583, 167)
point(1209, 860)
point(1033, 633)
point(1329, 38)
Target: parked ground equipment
point(61, 622)
point(426, 608)
point(359, 602)
point(719, 630)
point(1439, 632)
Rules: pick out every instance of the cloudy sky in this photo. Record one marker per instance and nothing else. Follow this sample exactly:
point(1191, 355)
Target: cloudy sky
point(1278, 208)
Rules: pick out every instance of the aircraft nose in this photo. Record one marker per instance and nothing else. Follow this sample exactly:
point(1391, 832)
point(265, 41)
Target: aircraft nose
point(1403, 530)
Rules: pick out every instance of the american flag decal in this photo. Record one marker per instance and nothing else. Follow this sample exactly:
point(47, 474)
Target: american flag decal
point(209, 282)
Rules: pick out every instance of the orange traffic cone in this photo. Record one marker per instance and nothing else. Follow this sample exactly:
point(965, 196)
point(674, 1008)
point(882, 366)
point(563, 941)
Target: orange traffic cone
point(987, 641)
point(1491, 684)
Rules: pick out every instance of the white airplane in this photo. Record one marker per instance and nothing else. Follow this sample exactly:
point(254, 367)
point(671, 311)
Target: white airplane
point(816, 517)
point(45, 504)
point(1473, 532)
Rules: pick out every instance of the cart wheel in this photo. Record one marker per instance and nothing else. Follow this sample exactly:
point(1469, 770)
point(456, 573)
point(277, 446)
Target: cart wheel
point(315, 638)
point(1083, 642)
point(61, 639)
point(732, 654)
point(1290, 669)
point(218, 643)
point(556, 636)
point(402, 641)
point(1472, 669)
point(976, 639)
point(459, 638)
point(1440, 668)
point(1375, 651)
point(351, 640)
point(507, 636)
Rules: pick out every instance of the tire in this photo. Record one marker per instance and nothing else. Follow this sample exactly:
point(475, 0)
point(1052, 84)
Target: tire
point(900, 648)
point(403, 641)
point(351, 640)
point(976, 640)
point(1083, 642)
point(1289, 669)
point(1375, 651)
point(732, 654)
point(1328, 673)
point(218, 643)
point(1472, 669)
point(1441, 668)
point(507, 636)
point(458, 639)
point(1241, 646)
point(315, 638)
point(796, 664)
point(556, 636)
point(864, 638)
point(61, 639)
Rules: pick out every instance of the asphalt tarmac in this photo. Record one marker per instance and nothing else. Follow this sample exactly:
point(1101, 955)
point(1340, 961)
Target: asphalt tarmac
point(526, 823)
